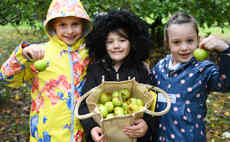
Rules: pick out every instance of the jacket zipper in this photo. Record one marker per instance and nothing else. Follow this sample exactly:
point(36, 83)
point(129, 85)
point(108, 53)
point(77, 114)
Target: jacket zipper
point(72, 93)
point(117, 76)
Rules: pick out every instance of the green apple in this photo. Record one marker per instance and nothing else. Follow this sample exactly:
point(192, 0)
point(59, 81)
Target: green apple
point(103, 110)
point(41, 65)
point(125, 105)
point(99, 105)
point(132, 101)
point(119, 111)
point(105, 97)
point(132, 108)
point(116, 94)
point(139, 102)
point(200, 54)
point(125, 94)
point(117, 101)
point(109, 106)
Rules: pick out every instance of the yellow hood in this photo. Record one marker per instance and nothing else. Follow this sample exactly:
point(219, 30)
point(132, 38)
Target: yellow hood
point(64, 8)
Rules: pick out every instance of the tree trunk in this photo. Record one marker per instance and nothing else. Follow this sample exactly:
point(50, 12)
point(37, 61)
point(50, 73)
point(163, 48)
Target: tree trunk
point(157, 34)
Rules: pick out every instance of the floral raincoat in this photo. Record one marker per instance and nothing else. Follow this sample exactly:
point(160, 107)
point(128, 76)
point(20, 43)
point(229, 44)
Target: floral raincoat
point(55, 90)
point(188, 87)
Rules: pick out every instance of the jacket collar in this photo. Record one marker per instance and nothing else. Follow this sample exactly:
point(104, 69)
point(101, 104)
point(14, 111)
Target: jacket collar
point(63, 46)
point(107, 62)
point(180, 66)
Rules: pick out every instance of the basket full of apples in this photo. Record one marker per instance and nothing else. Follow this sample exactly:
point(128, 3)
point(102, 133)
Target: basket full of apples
point(115, 104)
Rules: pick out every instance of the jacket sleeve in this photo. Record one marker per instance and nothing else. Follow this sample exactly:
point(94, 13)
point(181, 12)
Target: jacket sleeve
point(152, 76)
point(220, 76)
point(16, 69)
point(89, 123)
point(148, 118)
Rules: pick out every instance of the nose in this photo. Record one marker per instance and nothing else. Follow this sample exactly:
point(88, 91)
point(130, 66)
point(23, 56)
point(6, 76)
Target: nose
point(116, 44)
point(184, 46)
point(69, 30)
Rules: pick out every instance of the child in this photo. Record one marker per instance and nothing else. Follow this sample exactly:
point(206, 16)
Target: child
point(187, 81)
point(119, 43)
point(54, 90)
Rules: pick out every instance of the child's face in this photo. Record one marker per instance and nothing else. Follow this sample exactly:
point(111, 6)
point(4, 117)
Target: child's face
point(117, 46)
point(182, 41)
point(68, 29)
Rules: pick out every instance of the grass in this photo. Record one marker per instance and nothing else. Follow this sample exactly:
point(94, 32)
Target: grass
point(11, 36)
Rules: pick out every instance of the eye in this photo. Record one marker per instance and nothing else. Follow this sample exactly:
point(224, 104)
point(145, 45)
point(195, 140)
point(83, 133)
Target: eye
point(122, 40)
point(76, 24)
point(176, 42)
point(190, 41)
point(61, 24)
point(109, 42)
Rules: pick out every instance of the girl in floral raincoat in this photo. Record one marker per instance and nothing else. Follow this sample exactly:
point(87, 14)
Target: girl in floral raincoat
point(187, 81)
point(55, 90)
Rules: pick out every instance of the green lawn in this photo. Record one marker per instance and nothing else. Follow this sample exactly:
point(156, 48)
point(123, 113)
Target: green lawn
point(11, 36)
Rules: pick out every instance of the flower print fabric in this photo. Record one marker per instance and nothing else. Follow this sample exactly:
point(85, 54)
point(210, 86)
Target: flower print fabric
point(55, 90)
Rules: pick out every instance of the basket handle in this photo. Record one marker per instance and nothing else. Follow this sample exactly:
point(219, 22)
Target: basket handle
point(77, 105)
point(166, 110)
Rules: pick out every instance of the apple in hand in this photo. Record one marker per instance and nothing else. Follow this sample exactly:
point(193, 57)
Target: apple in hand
point(105, 97)
point(41, 65)
point(125, 94)
point(200, 54)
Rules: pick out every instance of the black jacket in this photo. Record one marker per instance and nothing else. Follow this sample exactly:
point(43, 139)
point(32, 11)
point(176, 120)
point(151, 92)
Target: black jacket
point(103, 67)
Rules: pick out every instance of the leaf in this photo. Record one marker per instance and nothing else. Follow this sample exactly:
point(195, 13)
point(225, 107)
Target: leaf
point(17, 97)
point(227, 114)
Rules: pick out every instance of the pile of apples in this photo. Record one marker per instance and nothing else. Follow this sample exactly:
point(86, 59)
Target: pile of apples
point(118, 103)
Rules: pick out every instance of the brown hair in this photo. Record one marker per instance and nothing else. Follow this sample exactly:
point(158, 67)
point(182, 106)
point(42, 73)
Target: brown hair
point(180, 18)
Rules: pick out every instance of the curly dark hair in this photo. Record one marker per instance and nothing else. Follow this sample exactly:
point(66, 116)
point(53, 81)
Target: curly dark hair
point(135, 28)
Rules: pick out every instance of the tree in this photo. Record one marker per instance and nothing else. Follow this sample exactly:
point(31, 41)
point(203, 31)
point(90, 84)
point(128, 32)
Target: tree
point(16, 11)
point(155, 12)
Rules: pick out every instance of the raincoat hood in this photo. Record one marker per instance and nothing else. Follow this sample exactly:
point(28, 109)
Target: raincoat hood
point(64, 8)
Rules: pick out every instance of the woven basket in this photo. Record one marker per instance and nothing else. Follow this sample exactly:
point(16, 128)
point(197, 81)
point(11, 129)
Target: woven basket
point(112, 127)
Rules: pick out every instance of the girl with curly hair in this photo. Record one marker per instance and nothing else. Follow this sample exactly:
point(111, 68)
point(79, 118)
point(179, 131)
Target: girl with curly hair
point(118, 44)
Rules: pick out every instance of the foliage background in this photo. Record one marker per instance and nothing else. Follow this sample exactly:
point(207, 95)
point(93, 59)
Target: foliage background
point(25, 18)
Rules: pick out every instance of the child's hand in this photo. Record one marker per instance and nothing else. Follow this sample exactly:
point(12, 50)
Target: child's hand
point(33, 53)
point(137, 130)
point(97, 135)
point(213, 43)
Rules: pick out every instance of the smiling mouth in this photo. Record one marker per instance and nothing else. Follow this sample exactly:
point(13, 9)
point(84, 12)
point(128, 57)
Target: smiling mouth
point(70, 38)
point(116, 52)
point(185, 55)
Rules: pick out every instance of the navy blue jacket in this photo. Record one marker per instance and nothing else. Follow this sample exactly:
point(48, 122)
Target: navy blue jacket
point(188, 87)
